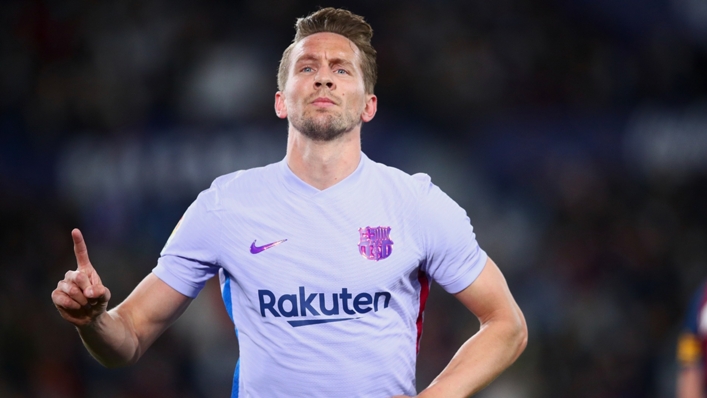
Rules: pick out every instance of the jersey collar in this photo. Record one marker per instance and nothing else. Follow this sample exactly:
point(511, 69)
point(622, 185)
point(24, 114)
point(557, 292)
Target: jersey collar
point(298, 186)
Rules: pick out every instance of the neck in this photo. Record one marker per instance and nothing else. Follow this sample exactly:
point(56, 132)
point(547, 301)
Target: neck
point(323, 164)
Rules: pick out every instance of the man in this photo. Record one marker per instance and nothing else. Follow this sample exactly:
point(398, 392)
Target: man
point(692, 347)
point(325, 258)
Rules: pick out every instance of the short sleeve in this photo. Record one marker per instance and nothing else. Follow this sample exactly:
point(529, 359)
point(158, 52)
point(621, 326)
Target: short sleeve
point(190, 256)
point(453, 256)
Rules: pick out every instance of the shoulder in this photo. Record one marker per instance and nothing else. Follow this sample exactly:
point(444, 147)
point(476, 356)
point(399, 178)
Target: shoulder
point(249, 178)
point(432, 206)
point(239, 184)
point(417, 185)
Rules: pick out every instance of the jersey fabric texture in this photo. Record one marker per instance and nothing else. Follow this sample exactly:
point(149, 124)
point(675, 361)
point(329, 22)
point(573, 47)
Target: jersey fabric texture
point(326, 288)
point(692, 344)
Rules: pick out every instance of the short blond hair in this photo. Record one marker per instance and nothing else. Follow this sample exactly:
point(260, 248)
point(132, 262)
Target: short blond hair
point(341, 22)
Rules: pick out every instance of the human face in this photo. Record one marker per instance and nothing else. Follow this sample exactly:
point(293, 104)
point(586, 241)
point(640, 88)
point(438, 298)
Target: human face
point(324, 97)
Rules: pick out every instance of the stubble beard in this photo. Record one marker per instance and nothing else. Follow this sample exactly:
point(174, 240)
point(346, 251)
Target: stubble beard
point(325, 127)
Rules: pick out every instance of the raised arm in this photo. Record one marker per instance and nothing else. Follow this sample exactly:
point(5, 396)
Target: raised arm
point(120, 336)
point(498, 343)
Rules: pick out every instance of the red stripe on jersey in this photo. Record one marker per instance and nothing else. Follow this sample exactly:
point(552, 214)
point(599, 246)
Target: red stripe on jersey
point(424, 293)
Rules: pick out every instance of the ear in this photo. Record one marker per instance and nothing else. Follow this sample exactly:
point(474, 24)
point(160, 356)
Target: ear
point(280, 107)
point(369, 111)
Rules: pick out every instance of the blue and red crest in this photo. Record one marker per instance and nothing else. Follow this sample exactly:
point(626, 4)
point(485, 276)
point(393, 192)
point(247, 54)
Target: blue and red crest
point(375, 243)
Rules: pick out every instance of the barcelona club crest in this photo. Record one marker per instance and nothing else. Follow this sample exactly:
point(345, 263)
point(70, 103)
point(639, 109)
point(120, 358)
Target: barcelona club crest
point(375, 243)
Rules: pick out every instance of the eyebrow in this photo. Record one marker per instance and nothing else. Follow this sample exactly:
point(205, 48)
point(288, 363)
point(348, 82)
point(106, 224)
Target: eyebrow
point(309, 57)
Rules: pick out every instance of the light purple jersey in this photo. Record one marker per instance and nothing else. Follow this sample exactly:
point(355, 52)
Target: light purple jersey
point(326, 288)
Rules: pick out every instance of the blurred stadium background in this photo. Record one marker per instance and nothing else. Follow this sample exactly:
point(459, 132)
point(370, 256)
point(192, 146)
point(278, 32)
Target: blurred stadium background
point(574, 132)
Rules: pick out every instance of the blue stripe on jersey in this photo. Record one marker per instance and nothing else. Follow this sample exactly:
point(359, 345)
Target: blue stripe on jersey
point(236, 374)
point(226, 294)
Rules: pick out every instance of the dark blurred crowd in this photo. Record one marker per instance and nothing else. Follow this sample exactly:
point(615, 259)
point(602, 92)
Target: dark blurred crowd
point(539, 117)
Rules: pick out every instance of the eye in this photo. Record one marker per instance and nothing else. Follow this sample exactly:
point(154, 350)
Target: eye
point(307, 69)
point(341, 71)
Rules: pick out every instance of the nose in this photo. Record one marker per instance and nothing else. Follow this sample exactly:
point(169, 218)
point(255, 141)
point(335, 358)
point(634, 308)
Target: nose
point(324, 78)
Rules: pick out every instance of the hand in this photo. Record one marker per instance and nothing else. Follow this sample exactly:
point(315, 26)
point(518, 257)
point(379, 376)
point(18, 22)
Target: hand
point(81, 297)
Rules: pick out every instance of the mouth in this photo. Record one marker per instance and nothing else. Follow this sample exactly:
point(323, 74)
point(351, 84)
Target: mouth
point(323, 101)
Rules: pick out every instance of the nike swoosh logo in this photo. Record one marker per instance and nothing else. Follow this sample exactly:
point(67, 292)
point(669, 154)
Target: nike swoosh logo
point(257, 249)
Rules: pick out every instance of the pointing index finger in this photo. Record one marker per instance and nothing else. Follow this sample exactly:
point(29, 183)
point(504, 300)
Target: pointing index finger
point(80, 250)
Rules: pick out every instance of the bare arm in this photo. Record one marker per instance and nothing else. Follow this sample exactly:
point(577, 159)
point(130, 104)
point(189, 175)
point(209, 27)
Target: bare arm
point(501, 339)
point(120, 336)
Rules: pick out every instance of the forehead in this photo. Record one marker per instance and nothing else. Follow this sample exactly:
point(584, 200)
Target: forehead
point(326, 45)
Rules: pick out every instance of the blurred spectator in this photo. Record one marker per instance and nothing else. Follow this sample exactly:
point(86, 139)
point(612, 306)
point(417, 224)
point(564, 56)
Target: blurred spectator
point(692, 349)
